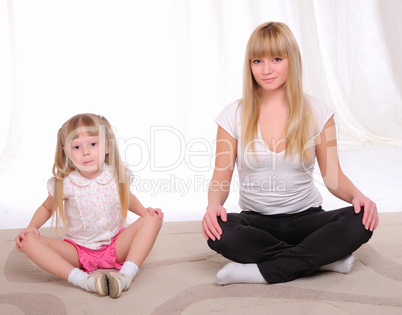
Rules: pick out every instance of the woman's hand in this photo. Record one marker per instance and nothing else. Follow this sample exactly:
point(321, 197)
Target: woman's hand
point(370, 216)
point(210, 226)
point(152, 212)
point(23, 236)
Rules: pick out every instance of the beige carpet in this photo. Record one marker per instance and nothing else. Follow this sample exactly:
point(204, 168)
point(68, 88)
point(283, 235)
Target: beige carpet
point(179, 278)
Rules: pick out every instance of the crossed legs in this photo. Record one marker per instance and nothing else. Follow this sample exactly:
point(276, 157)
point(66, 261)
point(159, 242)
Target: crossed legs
point(61, 258)
point(285, 247)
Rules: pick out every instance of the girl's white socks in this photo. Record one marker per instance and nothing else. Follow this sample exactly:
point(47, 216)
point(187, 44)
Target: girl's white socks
point(77, 277)
point(234, 272)
point(91, 284)
point(343, 266)
point(130, 269)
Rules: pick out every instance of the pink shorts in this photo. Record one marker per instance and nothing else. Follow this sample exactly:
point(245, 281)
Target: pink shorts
point(93, 259)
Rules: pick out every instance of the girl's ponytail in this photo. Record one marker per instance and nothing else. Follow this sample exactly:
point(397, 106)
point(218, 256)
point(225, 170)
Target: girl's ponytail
point(60, 167)
point(114, 160)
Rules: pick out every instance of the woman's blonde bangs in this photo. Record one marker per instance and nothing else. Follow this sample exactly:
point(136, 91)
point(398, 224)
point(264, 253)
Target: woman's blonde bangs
point(267, 42)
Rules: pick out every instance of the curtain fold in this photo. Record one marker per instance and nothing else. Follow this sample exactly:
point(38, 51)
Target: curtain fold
point(362, 84)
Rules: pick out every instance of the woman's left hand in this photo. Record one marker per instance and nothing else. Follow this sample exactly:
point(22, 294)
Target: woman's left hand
point(152, 212)
point(370, 216)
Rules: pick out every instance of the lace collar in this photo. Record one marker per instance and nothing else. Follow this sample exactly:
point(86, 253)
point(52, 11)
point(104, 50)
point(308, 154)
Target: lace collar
point(103, 178)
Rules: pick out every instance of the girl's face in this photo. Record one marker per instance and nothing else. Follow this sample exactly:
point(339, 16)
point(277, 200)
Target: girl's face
point(87, 154)
point(270, 73)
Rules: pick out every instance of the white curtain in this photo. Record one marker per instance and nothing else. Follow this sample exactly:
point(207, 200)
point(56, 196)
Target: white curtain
point(161, 70)
point(360, 49)
point(9, 117)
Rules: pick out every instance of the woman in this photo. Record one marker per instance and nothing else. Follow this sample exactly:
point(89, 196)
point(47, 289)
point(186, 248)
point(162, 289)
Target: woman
point(274, 133)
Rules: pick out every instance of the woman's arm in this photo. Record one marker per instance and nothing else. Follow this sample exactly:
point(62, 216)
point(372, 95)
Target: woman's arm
point(337, 182)
point(219, 187)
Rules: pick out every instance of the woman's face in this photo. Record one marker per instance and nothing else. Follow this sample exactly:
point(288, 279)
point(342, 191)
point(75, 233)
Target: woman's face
point(270, 72)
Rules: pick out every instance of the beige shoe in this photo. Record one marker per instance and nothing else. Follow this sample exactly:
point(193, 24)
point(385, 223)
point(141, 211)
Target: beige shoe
point(115, 284)
point(100, 281)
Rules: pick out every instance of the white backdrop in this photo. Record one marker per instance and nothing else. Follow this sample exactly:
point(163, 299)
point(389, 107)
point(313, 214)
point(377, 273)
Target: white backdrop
point(161, 70)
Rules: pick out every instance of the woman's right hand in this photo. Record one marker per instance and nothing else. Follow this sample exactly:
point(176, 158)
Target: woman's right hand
point(210, 226)
point(23, 236)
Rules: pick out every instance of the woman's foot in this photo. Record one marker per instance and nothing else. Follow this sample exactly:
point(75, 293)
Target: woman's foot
point(343, 266)
point(239, 273)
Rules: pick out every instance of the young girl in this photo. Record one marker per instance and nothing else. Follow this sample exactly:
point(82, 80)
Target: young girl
point(90, 194)
point(274, 133)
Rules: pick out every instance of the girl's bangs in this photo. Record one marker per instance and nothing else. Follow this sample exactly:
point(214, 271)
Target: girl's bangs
point(80, 121)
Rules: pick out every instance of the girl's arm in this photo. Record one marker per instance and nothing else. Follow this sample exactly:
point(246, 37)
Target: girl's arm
point(226, 151)
point(337, 182)
point(136, 207)
point(39, 218)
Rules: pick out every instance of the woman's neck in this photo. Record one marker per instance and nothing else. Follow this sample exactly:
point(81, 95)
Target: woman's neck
point(273, 98)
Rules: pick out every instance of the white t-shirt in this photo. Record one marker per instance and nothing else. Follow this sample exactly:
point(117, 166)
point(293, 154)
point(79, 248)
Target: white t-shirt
point(92, 207)
point(269, 182)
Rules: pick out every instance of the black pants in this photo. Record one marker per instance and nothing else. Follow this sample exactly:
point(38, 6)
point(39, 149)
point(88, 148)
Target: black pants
point(288, 246)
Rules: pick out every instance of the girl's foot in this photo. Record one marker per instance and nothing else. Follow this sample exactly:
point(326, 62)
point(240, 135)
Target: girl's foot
point(116, 285)
point(96, 283)
point(90, 282)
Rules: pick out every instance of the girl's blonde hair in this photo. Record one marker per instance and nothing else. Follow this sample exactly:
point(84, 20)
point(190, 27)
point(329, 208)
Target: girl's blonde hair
point(91, 124)
point(275, 39)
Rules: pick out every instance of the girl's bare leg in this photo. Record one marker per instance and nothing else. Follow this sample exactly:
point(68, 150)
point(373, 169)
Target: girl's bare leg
point(133, 246)
point(61, 259)
point(136, 241)
point(52, 255)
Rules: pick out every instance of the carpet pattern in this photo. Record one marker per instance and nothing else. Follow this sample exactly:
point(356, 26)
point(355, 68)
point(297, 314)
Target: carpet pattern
point(179, 278)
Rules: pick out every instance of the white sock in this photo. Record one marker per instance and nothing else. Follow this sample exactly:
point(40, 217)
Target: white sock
point(343, 266)
point(239, 273)
point(91, 283)
point(130, 269)
point(77, 277)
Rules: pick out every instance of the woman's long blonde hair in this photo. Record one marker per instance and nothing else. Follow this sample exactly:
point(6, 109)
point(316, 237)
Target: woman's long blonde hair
point(62, 166)
point(275, 39)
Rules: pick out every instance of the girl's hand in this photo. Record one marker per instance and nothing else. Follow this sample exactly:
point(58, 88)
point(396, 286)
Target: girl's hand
point(210, 226)
point(370, 216)
point(152, 211)
point(23, 236)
